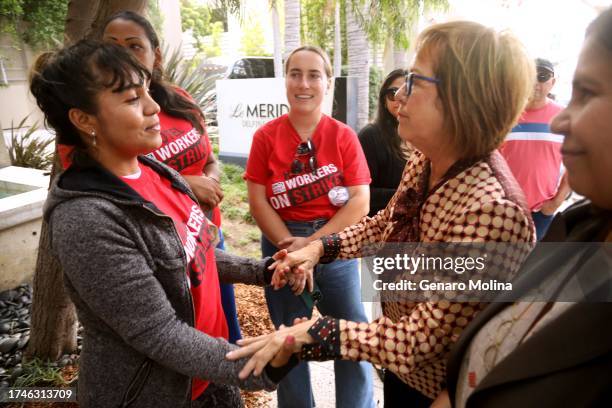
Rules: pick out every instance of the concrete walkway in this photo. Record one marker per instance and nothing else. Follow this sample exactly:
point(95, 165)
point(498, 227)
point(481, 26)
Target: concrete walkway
point(323, 387)
point(322, 374)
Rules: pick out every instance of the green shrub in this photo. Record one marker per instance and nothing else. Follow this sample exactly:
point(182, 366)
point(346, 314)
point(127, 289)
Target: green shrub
point(27, 150)
point(39, 373)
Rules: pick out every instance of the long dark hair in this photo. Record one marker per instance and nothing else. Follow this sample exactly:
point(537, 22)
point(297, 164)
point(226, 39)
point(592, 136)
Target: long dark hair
point(165, 94)
point(385, 121)
point(72, 77)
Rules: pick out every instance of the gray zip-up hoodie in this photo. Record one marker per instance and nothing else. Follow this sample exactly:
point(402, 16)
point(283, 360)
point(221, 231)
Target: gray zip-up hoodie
point(125, 270)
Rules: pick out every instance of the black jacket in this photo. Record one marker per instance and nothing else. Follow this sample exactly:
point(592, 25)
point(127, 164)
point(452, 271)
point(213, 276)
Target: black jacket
point(385, 168)
point(568, 362)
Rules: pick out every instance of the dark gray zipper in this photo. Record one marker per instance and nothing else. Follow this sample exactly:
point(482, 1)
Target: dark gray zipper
point(137, 383)
point(184, 275)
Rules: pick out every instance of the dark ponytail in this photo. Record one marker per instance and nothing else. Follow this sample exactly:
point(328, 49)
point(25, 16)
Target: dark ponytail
point(72, 78)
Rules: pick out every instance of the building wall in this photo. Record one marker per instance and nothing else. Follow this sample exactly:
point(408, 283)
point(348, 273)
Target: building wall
point(16, 102)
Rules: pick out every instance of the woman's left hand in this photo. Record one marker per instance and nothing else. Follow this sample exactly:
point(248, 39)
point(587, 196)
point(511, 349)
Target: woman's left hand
point(264, 349)
point(206, 189)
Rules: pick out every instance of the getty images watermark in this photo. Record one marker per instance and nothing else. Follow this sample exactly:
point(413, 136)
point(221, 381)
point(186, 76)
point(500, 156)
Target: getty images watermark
point(477, 272)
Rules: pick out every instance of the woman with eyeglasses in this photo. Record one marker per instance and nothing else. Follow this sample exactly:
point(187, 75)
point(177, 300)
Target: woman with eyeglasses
point(307, 177)
point(385, 151)
point(557, 352)
point(465, 91)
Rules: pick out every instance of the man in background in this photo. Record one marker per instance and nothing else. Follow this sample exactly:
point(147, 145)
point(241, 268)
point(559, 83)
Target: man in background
point(533, 153)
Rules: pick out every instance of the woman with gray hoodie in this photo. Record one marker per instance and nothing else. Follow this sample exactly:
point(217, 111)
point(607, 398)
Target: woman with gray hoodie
point(136, 249)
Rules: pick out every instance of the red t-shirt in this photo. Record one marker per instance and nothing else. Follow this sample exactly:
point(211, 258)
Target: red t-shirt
point(304, 196)
point(533, 153)
point(183, 148)
point(192, 228)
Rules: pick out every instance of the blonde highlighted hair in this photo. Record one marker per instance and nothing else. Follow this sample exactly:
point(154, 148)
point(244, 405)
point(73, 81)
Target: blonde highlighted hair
point(485, 78)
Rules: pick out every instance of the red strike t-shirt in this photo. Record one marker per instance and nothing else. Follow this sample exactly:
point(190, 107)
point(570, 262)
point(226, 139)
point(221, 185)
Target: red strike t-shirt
point(192, 227)
point(183, 148)
point(304, 197)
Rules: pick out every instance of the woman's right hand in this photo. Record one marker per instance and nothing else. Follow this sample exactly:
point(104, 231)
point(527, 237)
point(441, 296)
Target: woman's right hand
point(296, 268)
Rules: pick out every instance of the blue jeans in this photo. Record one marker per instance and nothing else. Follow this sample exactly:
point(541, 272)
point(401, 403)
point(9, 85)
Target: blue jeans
point(339, 284)
point(541, 222)
point(228, 302)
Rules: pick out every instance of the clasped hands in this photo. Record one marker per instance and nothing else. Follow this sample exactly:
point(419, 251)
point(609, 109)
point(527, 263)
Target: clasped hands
point(275, 348)
point(296, 270)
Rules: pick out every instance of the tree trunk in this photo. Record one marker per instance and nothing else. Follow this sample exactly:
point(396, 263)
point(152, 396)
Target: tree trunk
point(292, 26)
point(53, 328)
point(359, 63)
point(337, 41)
point(110, 7)
point(78, 19)
point(53, 322)
point(278, 56)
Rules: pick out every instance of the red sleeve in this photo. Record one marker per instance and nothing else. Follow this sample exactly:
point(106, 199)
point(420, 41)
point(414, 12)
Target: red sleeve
point(356, 171)
point(257, 168)
point(65, 154)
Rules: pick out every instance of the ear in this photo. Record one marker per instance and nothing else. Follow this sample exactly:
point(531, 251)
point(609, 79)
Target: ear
point(157, 62)
point(84, 122)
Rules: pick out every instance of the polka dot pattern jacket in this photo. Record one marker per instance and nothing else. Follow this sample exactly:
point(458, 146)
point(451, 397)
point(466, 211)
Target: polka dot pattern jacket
point(476, 201)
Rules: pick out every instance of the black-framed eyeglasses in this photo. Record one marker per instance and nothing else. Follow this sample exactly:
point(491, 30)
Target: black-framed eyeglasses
point(544, 76)
point(410, 77)
point(303, 149)
point(390, 93)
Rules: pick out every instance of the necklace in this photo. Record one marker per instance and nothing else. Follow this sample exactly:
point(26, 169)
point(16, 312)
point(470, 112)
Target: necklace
point(504, 328)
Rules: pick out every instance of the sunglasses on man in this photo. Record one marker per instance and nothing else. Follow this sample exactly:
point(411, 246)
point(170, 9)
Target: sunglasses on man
point(544, 75)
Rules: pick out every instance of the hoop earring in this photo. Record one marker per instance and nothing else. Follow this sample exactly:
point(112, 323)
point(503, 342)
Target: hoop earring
point(93, 138)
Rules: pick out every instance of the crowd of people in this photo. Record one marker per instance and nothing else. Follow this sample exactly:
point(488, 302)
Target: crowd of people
point(467, 146)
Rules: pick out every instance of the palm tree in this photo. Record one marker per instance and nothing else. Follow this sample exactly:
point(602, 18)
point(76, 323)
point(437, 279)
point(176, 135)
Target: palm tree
point(292, 26)
point(278, 57)
point(358, 62)
point(337, 40)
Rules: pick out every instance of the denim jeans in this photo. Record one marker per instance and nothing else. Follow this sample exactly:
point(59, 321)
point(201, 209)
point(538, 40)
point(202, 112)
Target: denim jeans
point(228, 302)
point(340, 287)
point(541, 222)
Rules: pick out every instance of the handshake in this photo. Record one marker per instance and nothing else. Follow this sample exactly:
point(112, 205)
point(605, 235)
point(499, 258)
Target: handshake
point(296, 270)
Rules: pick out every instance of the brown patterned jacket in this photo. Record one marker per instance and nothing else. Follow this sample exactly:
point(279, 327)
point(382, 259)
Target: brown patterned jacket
point(476, 201)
